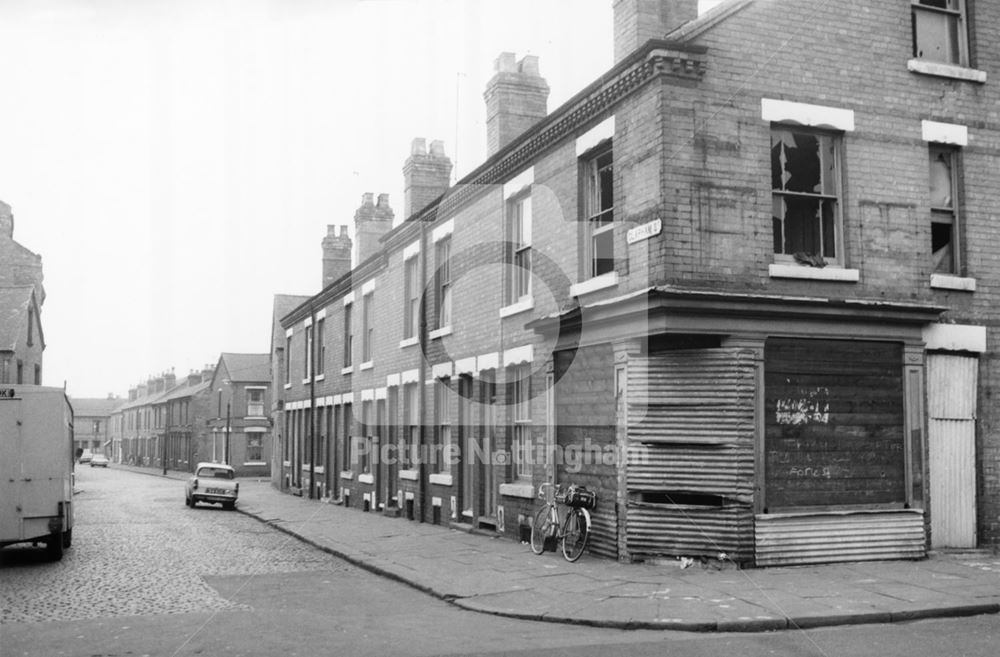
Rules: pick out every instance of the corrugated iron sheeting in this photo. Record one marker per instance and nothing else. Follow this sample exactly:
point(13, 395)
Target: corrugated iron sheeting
point(691, 430)
point(690, 531)
point(604, 531)
point(726, 471)
point(862, 536)
point(951, 385)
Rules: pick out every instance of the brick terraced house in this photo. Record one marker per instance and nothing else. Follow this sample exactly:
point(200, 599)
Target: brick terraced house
point(744, 285)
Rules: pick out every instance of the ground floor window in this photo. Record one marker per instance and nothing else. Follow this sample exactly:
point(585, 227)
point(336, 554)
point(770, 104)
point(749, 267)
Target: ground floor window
point(255, 447)
point(834, 425)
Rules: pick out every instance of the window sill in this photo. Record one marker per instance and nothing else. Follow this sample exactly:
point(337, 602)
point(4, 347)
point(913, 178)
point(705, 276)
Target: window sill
point(814, 273)
point(286, 464)
point(409, 342)
point(288, 386)
point(255, 417)
point(306, 381)
point(601, 282)
point(441, 479)
point(319, 377)
point(319, 469)
point(520, 306)
point(254, 463)
point(367, 365)
point(523, 490)
point(943, 70)
point(347, 370)
point(948, 282)
point(366, 478)
point(439, 333)
point(347, 474)
point(410, 475)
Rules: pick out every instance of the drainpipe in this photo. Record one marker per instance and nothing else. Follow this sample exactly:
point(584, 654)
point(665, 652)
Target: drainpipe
point(312, 405)
point(422, 376)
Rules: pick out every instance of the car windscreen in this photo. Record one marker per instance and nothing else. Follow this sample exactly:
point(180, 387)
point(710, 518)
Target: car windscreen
point(216, 473)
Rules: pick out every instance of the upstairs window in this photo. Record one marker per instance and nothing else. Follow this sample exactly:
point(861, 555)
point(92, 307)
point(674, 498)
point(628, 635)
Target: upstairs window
point(255, 402)
point(939, 31)
point(308, 360)
point(321, 346)
point(443, 258)
point(368, 326)
point(805, 194)
point(348, 336)
point(944, 209)
point(411, 308)
point(288, 359)
point(599, 204)
point(519, 240)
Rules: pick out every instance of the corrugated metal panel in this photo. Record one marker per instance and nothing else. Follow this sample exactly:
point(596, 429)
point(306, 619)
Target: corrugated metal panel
point(951, 438)
point(832, 537)
point(691, 531)
point(701, 396)
point(725, 470)
point(951, 387)
point(691, 430)
point(604, 531)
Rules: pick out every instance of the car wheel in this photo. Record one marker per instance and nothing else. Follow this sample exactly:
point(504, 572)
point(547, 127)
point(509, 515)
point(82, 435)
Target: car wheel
point(229, 506)
point(68, 538)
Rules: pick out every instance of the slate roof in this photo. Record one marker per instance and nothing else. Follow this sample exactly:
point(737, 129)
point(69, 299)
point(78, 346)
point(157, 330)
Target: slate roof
point(14, 304)
point(247, 367)
point(95, 407)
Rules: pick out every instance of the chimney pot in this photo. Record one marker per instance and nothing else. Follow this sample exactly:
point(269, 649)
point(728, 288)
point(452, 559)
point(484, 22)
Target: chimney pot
point(426, 176)
point(516, 99)
point(368, 198)
point(418, 146)
point(506, 62)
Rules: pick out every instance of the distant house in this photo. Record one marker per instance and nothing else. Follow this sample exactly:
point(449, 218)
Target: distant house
point(21, 299)
point(240, 431)
point(21, 339)
point(92, 423)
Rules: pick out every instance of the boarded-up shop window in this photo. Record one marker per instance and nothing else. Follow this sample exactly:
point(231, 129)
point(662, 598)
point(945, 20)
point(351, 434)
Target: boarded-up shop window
point(834, 424)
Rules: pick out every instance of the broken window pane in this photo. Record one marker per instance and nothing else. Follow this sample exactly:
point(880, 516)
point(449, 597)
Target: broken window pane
point(943, 210)
point(941, 180)
point(804, 202)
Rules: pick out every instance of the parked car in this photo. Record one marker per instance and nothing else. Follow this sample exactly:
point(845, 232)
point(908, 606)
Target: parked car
point(86, 456)
point(214, 483)
point(99, 461)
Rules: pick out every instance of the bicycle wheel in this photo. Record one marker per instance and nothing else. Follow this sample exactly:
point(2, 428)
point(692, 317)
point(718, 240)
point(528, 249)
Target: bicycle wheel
point(542, 527)
point(575, 535)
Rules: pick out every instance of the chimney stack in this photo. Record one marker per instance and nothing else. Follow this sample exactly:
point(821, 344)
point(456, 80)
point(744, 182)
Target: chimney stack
point(336, 254)
point(169, 379)
point(193, 378)
point(516, 99)
point(638, 21)
point(371, 222)
point(426, 175)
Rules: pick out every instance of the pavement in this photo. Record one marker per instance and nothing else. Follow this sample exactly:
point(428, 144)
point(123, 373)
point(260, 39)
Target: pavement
point(495, 575)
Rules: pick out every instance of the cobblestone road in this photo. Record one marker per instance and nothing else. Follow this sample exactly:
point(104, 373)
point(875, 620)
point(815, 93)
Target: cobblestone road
point(138, 550)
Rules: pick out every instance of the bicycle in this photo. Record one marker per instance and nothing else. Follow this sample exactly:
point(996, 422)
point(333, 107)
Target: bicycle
point(573, 531)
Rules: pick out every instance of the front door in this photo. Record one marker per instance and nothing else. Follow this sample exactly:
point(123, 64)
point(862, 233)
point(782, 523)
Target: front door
point(952, 383)
point(487, 478)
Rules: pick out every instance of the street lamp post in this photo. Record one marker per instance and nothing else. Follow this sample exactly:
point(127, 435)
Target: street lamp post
point(227, 433)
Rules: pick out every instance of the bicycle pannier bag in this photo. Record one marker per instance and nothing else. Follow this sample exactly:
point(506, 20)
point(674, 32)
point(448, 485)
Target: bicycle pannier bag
point(581, 498)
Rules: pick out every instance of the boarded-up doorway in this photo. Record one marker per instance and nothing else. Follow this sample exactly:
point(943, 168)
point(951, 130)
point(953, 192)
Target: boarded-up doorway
point(952, 382)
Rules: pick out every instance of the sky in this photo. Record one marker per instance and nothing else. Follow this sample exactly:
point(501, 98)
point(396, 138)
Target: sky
point(176, 162)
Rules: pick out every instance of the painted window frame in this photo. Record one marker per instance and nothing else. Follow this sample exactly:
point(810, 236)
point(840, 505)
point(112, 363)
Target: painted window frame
point(520, 422)
point(443, 296)
point(948, 213)
point(368, 326)
point(943, 21)
point(348, 335)
point(518, 231)
point(411, 286)
point(597, 178)
point(832, 194)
